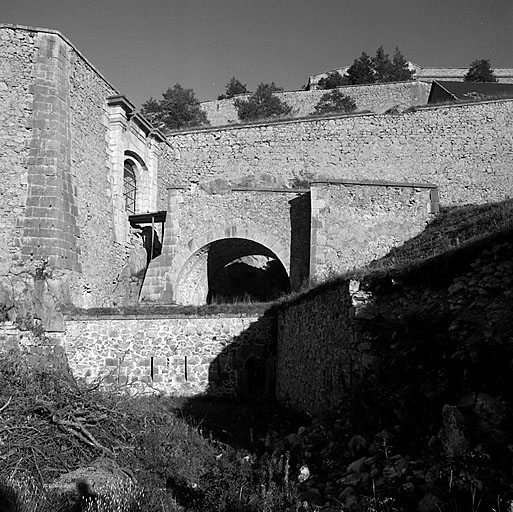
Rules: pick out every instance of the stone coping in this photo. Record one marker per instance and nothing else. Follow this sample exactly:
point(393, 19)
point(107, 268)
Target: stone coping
point(156, 316)
point(312, 119)
point(252, 189)
point(373, 183)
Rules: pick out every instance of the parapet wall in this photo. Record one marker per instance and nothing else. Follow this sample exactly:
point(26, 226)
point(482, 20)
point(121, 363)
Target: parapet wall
point(466, 150)
point(376, 98)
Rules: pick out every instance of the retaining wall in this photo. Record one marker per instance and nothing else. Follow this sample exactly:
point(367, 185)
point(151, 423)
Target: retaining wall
point(177, 355)
point(354, 223)
point(466, 150)
point(376, 98)
point(330, 337)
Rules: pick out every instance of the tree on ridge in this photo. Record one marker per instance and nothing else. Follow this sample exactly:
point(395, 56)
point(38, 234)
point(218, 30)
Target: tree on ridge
point(480, 71)
point(178, 108)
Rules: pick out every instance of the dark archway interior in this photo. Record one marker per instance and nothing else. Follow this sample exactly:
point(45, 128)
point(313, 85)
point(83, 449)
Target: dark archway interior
point(239, 269)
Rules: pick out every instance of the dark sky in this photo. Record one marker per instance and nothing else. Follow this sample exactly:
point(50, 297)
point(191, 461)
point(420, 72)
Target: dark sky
point(144, 46)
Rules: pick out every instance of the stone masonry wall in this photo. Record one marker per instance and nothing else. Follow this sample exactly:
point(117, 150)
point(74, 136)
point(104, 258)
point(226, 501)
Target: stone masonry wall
point(17, 54)
point(466, 150)
point(354, 223)
point(101, 258)
point(200, 215)
point(57, 168)
point(177, 355)
point(376, 98)
point(318, 351)
point(329, 337)
point(50, 223)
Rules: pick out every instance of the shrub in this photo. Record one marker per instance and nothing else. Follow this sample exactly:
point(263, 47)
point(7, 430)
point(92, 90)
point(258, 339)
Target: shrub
point(334, 102)
point(263, 103)
point(332, 80)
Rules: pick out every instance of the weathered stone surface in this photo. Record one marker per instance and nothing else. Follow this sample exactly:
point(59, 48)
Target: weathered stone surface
point(464, 149)
point(101, 476)
point(370, 97)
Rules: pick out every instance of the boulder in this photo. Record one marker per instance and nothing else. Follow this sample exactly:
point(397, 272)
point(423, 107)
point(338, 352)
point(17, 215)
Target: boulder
point(103, 477)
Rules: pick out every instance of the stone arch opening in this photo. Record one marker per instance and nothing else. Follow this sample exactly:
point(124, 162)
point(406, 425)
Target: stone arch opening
point(231, 270)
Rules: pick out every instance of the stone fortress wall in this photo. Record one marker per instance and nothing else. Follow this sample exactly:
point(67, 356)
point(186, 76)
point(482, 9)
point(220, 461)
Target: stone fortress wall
point(334, 333)
point(168, 353)
point(344, 180)
point(376, 98)
point(66, 136)
point(466, 150)
point(354, 223)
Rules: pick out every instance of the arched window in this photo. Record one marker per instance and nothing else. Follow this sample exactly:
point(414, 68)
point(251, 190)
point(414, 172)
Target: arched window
point(129, 186)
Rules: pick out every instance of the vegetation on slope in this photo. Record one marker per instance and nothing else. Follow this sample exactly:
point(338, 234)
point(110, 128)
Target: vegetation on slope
point(50, 425)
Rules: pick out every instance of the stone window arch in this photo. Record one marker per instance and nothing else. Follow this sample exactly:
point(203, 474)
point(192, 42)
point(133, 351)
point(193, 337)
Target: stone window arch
point(130, 186)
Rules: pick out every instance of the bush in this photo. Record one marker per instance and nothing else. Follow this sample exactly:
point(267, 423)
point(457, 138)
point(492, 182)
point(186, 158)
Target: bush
point(334, 102)
point(263, 103)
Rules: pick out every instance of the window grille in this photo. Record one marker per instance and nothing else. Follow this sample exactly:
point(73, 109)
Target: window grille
point(129, 186)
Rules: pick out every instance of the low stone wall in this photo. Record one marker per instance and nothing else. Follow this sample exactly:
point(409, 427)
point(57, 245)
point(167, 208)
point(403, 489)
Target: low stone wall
point(376, 98)
point(317, 349)
point(183, 356)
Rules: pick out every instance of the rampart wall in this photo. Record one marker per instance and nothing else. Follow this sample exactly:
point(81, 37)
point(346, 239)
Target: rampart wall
point(330, 337)
point(466, 150)
point(376, 98)
point(58, 177)
point(17, 54)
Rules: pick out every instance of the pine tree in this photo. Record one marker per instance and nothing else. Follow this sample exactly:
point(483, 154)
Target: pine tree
point(382, 66)
point(179, 108)
point(263, 103)
point(480, 71)
point(233, 88)
point(152, 111)
point(400, 70)
point(361, 72)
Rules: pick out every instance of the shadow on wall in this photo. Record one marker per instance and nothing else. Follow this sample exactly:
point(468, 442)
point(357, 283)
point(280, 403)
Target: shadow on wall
point(300, 224)
point(241, 391)
point(247, 366)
